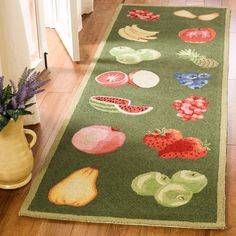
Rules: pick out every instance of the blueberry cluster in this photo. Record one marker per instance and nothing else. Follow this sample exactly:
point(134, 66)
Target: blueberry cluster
point(192, 80)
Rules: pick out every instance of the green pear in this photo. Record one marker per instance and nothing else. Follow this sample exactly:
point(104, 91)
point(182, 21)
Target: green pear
point(173, 195)
point(117, 51)
point(148, 183)
point(148, 54)
point(129, 58)
point(193, 180)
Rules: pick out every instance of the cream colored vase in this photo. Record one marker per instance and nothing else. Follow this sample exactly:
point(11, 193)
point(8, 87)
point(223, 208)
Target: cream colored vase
point(16, 158)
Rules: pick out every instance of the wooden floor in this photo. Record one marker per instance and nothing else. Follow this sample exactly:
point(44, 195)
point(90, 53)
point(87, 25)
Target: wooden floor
point(65, 79)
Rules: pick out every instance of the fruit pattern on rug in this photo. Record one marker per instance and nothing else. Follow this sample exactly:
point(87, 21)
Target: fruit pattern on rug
point(170, 143)
point(107, 140)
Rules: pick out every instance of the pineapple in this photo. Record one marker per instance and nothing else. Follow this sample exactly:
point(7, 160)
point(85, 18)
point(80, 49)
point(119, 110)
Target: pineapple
point(197, 59)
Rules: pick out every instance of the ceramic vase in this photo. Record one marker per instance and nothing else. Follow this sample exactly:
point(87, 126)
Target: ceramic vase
point(16, 158)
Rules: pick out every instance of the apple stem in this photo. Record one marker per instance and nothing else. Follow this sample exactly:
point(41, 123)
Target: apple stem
point(117, 128)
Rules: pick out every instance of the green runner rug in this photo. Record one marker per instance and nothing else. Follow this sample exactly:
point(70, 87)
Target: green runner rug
point(145, 141)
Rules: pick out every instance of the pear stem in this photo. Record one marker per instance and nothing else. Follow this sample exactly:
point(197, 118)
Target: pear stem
point(98, 165)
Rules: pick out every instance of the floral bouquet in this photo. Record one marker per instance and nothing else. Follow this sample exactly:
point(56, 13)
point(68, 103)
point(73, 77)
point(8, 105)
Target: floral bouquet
point(13, 99)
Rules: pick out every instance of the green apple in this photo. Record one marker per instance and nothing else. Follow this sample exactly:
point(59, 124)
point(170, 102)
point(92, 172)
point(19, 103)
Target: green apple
point(148, 183)
point(173, 195)
point(148, 54)
point(117, 51)
point(193, 180)
point(129, 58)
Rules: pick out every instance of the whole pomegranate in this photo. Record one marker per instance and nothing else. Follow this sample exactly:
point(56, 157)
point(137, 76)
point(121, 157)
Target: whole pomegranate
point(98, 139)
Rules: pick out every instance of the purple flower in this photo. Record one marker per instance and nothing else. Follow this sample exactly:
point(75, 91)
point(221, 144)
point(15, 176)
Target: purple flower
point(13, 86)
point(13, 103)
point(1, 85)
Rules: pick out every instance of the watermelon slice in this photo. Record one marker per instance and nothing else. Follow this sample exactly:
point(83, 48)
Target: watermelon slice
point(133, 110)
point(107, 103)
point(111, 99)
point(117, 105)
point(112, 78)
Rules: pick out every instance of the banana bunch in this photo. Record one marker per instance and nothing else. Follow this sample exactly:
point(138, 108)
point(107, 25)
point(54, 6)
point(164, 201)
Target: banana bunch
point(135, 33)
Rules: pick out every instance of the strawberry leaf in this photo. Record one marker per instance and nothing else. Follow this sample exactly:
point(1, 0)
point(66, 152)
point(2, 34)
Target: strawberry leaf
point(206, 145)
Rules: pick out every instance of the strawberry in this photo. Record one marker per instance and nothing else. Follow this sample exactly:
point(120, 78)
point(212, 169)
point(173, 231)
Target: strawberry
point(160, 139)
point(186, 148)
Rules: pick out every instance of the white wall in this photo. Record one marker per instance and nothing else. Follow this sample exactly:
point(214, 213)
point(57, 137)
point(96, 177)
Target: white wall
point(0, 67)
point(14, 50)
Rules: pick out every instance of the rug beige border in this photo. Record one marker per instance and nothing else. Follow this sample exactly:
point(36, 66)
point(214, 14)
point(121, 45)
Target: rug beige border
point(220, 224)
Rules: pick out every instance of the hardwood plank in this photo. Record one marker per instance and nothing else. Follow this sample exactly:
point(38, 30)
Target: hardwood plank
point(151, 2)
point(51, 228)
point(46, 133)
point(164, 2)
point(230, 193)
point(177, 2)
point(233, 21)
point(195, 3)
point(213, 3)
point(231, 112)
point(47, 130)
point(231, 4)
point(232, 56)
point(10, 223)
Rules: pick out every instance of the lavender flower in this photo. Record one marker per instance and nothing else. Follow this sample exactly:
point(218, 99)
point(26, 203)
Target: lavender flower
point(13, 102)
point(13, 86)
point(1, 85)
point(13, 98)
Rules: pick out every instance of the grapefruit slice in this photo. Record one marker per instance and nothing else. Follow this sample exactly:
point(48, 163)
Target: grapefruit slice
point(112, 78)
point(133, 110)
point(143, 79)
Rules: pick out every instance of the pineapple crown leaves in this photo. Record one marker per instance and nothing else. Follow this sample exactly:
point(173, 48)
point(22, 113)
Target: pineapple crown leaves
point(13, 99)
point(189, 54)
